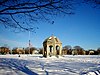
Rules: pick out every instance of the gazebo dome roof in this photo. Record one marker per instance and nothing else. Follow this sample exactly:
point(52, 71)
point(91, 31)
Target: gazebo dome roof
point(52, 39)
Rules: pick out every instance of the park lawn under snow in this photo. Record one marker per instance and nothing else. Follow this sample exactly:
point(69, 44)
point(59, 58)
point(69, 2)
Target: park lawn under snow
point(37, 65)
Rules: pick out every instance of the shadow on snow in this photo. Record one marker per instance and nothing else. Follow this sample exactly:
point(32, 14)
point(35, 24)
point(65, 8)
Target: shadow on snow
point(16, 64)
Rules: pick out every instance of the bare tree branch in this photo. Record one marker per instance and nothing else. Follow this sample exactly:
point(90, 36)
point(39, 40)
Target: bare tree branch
point(18, 23)
point(24, 13)
point(94, 3)
point(1, 2)
point(19, 12)
point(28, 7)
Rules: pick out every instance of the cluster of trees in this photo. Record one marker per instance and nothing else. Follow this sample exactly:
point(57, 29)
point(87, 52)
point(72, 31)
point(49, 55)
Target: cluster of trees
point(77, 50)
point(4, 50)
point(24, 50)
point(16, 50)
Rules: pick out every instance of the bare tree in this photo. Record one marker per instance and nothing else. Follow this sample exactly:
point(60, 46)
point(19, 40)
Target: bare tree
point(79, 50)
point(40, 50)
point(4, 50)
point(66, 49)
point(98, 50)
point(94, 3)
point(77, 47)
point(22, 14)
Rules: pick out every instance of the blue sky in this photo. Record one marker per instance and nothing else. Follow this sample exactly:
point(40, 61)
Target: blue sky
point(82, 28)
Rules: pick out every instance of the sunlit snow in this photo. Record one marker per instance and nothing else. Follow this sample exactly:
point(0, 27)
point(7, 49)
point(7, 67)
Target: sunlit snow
point(38, 65)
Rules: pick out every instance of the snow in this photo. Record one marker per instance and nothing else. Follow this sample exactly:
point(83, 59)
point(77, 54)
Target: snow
point(38, 65)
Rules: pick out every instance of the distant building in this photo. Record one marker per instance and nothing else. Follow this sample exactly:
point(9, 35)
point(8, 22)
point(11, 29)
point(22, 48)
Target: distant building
point(35, 52)
point(20, 51)
point(74, 52)
point(91, 52)
point(78, 52)
point(52, 46)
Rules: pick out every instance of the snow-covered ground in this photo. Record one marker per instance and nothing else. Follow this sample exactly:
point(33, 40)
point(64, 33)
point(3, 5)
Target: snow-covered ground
point(37, 65)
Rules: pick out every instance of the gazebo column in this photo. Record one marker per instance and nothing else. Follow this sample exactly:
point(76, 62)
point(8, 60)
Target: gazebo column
point(60, 50)
point(48, 51)
point(43, 49)
point(55, 53)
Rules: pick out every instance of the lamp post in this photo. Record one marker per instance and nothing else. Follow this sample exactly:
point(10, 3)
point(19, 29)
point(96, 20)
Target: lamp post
point(31, 29)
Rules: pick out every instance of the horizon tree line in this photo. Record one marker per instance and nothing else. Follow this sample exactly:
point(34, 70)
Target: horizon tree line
point(78, 50)
point(66, 50)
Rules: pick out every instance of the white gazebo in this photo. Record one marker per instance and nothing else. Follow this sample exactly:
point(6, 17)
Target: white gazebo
point(52, 46)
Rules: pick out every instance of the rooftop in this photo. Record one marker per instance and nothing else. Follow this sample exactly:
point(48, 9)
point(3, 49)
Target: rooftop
point(52, 38)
